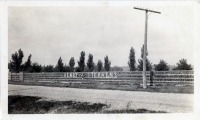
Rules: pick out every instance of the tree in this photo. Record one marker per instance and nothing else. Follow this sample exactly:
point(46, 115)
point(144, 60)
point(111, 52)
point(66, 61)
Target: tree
point(67, 68)
point(48, 68)
point(16, 62)
point(99, 65)
point(116, 68)
point(140, 61)
point(162, 66)
point(27, 65)
point(81, 62)
point(183, 65)
point(90, 63)
point(77, 69)
point(59, 66)
point(95, 68)
point(71, 64)
point(36, 67)
point(131, 61)
point(10, 66)
point(107, 63)
point(86, 69)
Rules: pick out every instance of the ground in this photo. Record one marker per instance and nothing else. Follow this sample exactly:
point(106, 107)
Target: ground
point(115, 99)
point(126, 86)
point(35, 105)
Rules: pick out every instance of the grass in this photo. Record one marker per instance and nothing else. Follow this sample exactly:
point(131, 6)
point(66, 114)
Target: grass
point(163, 88)
point(35, 105)
point(134, 111)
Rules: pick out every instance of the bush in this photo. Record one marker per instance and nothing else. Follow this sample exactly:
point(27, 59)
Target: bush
point(183, 65)
point(162, 66)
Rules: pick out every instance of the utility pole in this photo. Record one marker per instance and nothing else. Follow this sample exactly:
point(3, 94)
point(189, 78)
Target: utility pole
point(145, 43)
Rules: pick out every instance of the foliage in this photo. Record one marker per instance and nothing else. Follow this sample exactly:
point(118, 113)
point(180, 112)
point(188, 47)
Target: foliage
point(81, 62)
point(131, 61)
point(107, 63)
point(116, 68)
point(183, 65)
point(59, 67)
point(48, 68)
point(90, 63)
point(16, 61)
point(86, 69)
point(140, 61)
point(72, 64)
point(36, 67)
point(77, 69)
point(27, 65)
point(99, 65)
point(162, 66)
point(148, 65)
point(95, 68)
point(67, 68)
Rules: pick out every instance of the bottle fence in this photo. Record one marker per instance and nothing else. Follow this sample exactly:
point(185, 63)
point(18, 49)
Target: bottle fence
point(133, 77)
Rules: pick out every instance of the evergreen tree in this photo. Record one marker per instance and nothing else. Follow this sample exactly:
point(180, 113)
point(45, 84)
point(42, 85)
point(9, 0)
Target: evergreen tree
point(162, 66)
point(183, 65)
point(59, 66)
point(131, 61)
point(15, 64)
point(99, 65)
point(107, 63)
point(140, 61)
point(27, 65)
point(81, 62)
point(71, 64)
point(90, 63)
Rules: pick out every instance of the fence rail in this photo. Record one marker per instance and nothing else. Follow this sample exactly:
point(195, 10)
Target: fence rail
point(179, 77)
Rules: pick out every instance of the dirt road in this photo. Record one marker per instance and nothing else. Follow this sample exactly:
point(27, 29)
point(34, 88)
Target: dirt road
point(168, 102)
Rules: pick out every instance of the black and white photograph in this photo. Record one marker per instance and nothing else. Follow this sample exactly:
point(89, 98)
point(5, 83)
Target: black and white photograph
point(104, 58)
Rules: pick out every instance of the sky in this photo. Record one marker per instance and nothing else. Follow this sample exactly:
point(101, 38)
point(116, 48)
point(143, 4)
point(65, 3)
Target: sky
point(50, 32)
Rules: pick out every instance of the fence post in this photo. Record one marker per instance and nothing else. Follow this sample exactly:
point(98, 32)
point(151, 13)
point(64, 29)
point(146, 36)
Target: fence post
point(151, 78)
point(21, 76)
point(65, 74)
point(9, 76)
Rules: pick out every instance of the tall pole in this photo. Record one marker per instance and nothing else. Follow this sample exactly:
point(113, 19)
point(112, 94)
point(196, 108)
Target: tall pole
point(145, 52)
point(145, 44)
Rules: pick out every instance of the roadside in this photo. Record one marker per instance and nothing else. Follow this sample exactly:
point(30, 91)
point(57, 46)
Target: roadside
point(35, 105)
point(161, 88)
point(117, 100)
